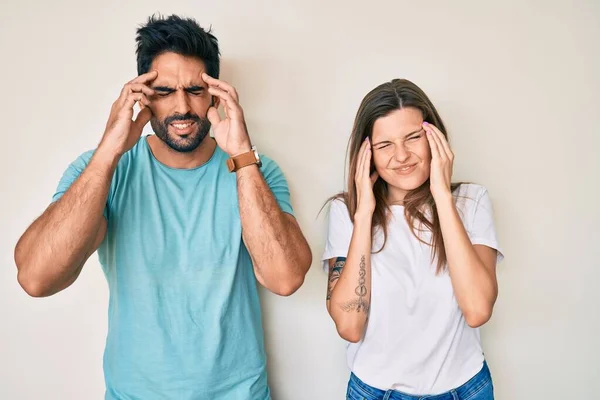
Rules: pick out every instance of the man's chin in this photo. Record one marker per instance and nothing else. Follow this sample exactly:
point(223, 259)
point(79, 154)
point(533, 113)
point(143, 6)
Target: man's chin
point(184, 144)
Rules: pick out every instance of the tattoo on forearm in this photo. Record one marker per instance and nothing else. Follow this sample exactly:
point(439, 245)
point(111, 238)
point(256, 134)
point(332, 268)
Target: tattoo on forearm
point(359, 304)
point(334, 274)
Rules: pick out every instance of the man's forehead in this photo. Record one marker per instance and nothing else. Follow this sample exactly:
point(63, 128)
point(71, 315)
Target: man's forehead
point(175, 69)
point(177, 83)
point(180, 79)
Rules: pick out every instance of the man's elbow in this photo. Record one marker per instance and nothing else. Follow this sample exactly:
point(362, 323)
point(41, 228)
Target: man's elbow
point(306, 260)
point(295, 280)
point(30, 281)
point(289, 286)
point(31, 285)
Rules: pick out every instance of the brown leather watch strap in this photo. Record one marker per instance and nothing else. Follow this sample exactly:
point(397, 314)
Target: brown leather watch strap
point(243, 160)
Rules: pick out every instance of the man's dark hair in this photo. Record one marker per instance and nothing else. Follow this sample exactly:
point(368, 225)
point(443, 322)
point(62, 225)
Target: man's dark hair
point(178, 35)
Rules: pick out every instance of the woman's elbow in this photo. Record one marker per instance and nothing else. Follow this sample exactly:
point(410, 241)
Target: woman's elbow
point(477, 310)
point(350, 334)
point(478, 316)
point(350, 331)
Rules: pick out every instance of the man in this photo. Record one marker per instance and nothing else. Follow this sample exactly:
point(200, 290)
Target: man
point(184, 225)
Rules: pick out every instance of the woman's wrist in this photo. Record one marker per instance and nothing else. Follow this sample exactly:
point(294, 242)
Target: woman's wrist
point(363, 218)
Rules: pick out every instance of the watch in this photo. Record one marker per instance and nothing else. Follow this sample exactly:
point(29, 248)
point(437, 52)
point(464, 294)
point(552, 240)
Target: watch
point(243, 160)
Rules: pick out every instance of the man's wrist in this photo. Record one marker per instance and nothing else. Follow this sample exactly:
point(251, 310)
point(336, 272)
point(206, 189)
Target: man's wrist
point(244, 160)
point(240, 150)
point(244, 146)
point(106, 156)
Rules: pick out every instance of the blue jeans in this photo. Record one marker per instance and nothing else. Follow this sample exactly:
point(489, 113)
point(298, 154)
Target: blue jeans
point(480, 387)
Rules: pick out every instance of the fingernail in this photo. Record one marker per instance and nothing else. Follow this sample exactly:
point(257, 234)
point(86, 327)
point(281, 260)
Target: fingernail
point(425, 123)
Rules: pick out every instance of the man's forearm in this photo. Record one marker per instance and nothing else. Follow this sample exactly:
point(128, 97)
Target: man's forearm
point(54, 248)
point(279, 251)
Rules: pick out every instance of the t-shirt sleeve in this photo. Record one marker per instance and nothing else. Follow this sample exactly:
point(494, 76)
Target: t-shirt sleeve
point(482, 229)
point(71, 174)
point(277, 183)
point(339, 233)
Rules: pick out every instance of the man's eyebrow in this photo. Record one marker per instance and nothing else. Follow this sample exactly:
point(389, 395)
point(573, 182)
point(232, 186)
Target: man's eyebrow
point(163, 89)
point(194, 88)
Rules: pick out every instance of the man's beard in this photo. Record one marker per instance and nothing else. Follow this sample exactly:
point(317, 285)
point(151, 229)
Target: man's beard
point(183, 144)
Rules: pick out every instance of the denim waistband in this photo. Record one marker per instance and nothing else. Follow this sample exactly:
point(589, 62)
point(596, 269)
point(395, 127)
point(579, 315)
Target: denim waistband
point(469, 388)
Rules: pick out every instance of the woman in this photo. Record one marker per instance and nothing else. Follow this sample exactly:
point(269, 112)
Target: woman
point(411, 257)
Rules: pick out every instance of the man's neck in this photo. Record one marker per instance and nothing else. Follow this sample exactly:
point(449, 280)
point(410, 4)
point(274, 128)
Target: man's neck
point(178, 160)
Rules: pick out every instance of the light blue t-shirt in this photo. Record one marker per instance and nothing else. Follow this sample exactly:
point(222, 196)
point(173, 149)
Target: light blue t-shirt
point(184, 312)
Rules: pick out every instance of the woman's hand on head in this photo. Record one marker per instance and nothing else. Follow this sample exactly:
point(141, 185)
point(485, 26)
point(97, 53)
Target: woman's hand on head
point(442, 159)
point(365, 180)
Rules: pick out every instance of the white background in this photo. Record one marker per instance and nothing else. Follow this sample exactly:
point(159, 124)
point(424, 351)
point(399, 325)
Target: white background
point(517, 84)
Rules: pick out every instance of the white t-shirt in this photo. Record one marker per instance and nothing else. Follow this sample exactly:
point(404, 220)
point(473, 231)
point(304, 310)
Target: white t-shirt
point(416, 339)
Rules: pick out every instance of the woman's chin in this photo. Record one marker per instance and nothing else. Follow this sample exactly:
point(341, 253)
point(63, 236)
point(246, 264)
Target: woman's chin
point(405, 185)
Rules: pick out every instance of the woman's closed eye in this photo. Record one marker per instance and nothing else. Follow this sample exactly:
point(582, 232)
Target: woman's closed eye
point(416, 137)
point(382, 146)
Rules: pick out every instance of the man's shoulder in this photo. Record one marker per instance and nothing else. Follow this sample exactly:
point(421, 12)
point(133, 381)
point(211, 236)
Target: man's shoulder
point(269, 165)
point(83, 159)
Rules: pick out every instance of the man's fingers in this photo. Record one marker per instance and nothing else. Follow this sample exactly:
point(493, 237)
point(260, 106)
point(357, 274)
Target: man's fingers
point(213, 116)
point(138, 84)
point(143, 118)
point(221, 85)
point(230, 105)
point(145, 78)
point(141, 88)
point(223, 95)
point(132, 99)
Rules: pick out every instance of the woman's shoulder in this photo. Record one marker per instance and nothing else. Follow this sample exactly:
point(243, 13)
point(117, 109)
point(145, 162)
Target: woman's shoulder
point(467, 195)
point(338, 206)
point(470, 190)
point(338, 201)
